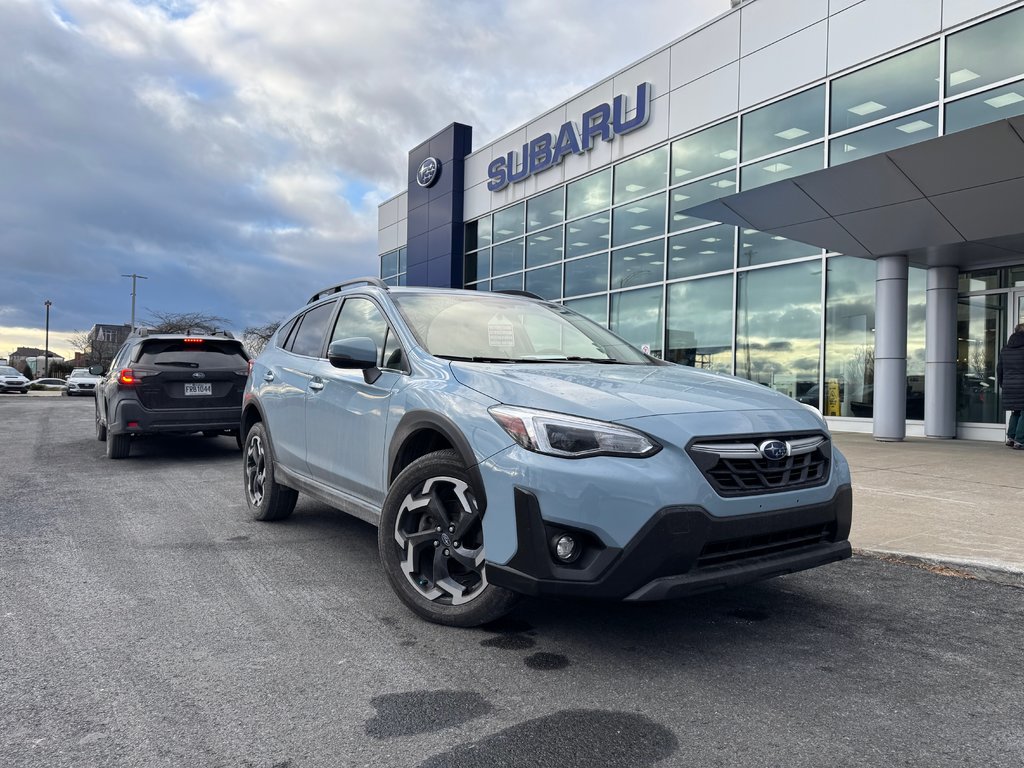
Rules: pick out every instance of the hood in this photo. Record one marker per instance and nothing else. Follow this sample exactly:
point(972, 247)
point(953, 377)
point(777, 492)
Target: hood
point(617, 392)
point(1016, 339)
point(15, 376)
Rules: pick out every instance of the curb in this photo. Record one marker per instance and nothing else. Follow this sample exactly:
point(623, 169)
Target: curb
point(964, 569)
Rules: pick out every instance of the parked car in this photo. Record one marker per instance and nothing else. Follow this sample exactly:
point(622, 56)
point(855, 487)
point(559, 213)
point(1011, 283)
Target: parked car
point(48, 384)
point(81, 381)
point(505, 445)
point(12, 381)
point(170, 384)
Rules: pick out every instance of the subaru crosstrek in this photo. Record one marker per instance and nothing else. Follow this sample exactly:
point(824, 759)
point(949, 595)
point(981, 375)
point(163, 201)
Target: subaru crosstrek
point(169, 383)
point(506, 445)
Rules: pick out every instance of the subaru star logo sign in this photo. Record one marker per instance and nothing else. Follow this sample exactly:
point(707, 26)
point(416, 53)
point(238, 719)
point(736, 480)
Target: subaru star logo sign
point(774, 450)
point(429, 170)
point(198, 375)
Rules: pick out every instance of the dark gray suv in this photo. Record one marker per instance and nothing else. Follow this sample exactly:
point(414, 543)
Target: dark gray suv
point(170, 384)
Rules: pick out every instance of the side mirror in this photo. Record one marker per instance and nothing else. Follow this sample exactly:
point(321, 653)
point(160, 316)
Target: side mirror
point(359, 353)
point(95, 370)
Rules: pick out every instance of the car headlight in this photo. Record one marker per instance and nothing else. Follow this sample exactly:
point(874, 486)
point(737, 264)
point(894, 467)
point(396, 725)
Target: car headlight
point(571, 437)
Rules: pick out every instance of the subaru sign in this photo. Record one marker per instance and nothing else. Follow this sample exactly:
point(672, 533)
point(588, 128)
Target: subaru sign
point(604, 122)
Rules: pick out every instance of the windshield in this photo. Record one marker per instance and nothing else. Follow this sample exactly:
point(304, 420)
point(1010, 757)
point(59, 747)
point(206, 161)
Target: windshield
point(6, 370)
point(487, 328)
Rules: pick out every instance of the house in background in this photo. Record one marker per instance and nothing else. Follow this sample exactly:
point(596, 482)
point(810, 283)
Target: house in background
point(35, 359)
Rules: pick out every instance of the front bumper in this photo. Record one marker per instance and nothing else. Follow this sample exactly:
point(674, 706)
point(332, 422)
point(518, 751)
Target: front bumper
point(682, 550)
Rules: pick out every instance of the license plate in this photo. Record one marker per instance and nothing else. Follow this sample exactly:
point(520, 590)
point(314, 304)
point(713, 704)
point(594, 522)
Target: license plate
point(199, 389)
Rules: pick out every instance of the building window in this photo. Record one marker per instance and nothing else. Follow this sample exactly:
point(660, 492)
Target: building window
point(778, 318)
point(987, 107)
point(985, 54)
point(710, 150)
point(701, 251)
point(477, 266)
point(545, 210)
point(636, 316)
point(849, 340)
point(700, 316)
point(981, 333)
point(589, 195)
point(781, 167)
point(595, 307)
point(478, 234)
point(507, 257)
point(887, 88)
point(897, 133)
point(508, 283)
point(509, 222)
point(642, 175)
point(545, 282)
point(392, 267)
point(638, 264)
point(758, 248)
point(544, 247)
point(587, 275)
point(696, 193)
point(639, 220)
point(587, 235)
point(784, 125)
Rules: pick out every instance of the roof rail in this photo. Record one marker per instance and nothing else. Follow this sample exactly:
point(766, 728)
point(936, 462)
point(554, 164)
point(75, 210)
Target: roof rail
point(374, 281)
point(516, 292)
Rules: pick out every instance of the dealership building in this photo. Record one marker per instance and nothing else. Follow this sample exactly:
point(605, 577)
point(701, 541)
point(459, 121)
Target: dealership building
point(823, 196)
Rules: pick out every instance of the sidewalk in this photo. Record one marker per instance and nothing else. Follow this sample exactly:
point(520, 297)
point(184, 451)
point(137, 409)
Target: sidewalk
point(958, 503)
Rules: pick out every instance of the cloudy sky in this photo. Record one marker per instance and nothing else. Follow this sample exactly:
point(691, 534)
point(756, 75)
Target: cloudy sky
point(235, 151)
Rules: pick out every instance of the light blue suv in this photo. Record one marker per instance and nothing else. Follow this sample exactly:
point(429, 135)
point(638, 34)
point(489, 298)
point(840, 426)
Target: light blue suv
point(505, 445)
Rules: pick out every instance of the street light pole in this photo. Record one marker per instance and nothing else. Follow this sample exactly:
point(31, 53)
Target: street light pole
point(46, 365)
point(134, 277)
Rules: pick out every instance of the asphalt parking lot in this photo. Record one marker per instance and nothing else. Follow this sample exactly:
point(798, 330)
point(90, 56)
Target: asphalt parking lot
point(147, 621)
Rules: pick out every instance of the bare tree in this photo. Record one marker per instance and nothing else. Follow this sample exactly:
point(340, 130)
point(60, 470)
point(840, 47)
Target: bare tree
point(184, 322)
point(255, 337)
point(95, 352)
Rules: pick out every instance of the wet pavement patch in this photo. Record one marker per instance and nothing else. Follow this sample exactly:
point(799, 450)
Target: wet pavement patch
point(750, 614)
point(546, 661)
point(509, 642)
point(404, 714)
point(507, 626)
point(568, 739)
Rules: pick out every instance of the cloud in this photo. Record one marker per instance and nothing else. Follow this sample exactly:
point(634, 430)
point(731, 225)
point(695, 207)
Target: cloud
point(235, 152)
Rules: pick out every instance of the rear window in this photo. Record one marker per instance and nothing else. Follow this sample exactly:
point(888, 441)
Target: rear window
point(208, 353)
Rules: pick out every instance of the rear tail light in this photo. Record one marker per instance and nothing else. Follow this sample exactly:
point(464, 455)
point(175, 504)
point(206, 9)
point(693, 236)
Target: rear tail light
point(127, 378)
point(249, 371)
point(192, 341)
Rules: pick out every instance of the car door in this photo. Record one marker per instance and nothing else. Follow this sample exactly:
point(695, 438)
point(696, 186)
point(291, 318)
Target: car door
point(346, 417)
point(284, 384)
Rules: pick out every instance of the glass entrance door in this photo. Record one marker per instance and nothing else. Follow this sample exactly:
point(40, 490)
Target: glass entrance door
point(982, 325)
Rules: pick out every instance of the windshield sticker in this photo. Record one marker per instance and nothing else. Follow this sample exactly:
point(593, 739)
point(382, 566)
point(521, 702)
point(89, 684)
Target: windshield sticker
point(500, 332)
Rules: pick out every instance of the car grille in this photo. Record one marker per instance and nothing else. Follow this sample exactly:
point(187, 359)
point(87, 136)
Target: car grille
point(737, 467)
point(716, 553)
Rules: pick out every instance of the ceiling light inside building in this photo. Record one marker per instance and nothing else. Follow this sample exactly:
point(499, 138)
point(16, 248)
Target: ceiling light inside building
point(541, 238)
point(682, 172)
point(640, 227)
point(791, 133)
point(848, 148)
point(723, 183)
point(913, 127)
point(636, 209)
point(962, 76)
point(1005, 100)
point(707, 253)
point(778, 237)
point(711, 240)
point(777, 167)
point(602, 220)
point(729, 154)
point(634, 187)
point(867, 108)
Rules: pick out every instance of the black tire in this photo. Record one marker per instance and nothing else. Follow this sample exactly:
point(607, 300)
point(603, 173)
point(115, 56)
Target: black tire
point(101, 429)
point(118, 446)
point(439, 574)
point(267, 498)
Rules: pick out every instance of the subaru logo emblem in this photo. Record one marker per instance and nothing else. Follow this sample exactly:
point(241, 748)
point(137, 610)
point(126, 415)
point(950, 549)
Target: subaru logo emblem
point(198, 375)
point(774, 450)
point(428, 173)
point(446, 540)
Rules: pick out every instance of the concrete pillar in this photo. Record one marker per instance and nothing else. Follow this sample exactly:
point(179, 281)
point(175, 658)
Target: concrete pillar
point(940, 354)
point(890, 404)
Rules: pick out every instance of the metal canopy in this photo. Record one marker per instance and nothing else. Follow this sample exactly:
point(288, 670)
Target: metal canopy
point(956, 200)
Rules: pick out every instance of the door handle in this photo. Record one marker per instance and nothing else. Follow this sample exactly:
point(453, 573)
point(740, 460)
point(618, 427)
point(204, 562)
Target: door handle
point(268, 376)
point(316, 385)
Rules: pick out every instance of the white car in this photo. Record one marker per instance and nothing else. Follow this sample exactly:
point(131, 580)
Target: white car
point(12, 381)
point(81, 382)
point(49, 385)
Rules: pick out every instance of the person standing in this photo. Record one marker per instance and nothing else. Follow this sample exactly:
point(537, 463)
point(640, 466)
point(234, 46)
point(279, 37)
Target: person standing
point(1010, 378)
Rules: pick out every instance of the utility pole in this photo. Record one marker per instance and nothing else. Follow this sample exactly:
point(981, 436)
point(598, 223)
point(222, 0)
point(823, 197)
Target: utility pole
point(134, 277)
point(46, 365)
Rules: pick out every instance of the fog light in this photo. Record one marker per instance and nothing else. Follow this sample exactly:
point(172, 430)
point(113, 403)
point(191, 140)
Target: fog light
point(566, 548)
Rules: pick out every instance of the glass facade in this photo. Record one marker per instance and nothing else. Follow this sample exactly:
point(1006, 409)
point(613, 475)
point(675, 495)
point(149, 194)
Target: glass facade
point(617, 246)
